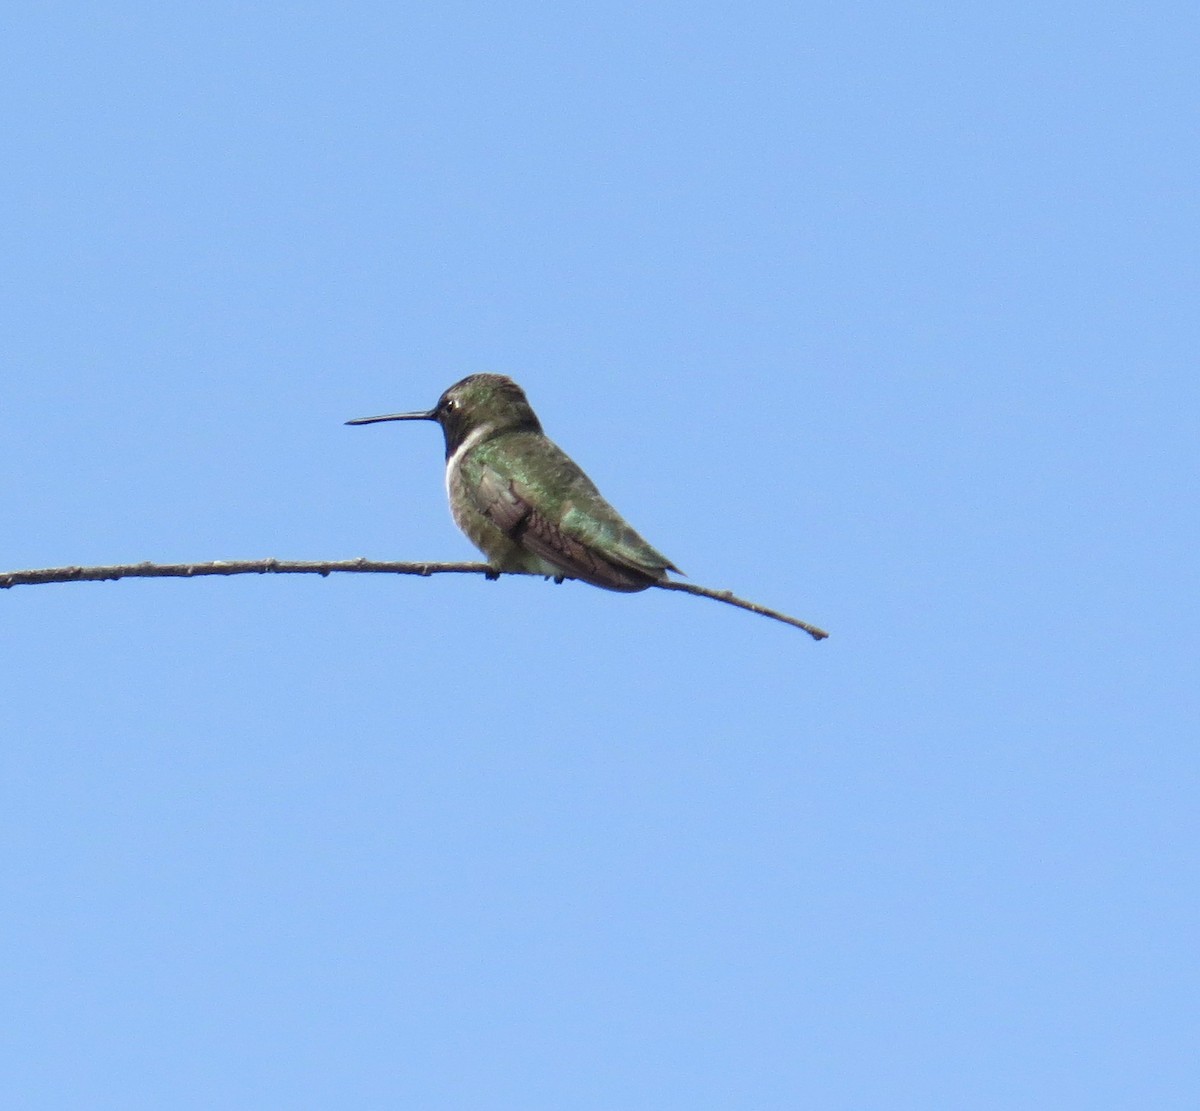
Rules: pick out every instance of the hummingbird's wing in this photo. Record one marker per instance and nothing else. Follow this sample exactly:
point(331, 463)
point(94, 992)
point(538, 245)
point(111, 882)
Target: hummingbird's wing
point(536, 495)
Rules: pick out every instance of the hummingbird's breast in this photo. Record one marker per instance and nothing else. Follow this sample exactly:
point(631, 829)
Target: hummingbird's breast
point(503, 553)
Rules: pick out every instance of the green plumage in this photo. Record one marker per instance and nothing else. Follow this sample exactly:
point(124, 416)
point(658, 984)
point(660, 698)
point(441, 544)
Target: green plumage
point(522, 500)
point(529, 507)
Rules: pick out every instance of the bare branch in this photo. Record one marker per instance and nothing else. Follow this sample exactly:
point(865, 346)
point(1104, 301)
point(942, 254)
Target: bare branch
point(732, 599)
point(234, 567)
point(327, 567)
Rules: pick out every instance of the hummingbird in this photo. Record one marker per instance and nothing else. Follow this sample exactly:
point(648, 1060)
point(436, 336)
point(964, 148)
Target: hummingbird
point(522, 501)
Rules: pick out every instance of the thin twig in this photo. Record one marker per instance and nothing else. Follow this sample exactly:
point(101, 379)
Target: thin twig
point(233, 567)
point(326, 567)
point(732, 599)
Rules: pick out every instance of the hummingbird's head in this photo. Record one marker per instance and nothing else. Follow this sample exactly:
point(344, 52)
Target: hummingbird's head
point(478, 407)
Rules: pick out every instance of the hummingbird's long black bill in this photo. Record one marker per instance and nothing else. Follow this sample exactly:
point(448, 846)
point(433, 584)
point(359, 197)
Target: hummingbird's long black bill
point(394, 416)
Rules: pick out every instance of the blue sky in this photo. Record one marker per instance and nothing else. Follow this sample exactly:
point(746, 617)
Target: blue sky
point(884, 315)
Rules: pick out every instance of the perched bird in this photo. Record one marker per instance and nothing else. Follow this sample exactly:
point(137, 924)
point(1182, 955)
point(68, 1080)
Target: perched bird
point(522, 500)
